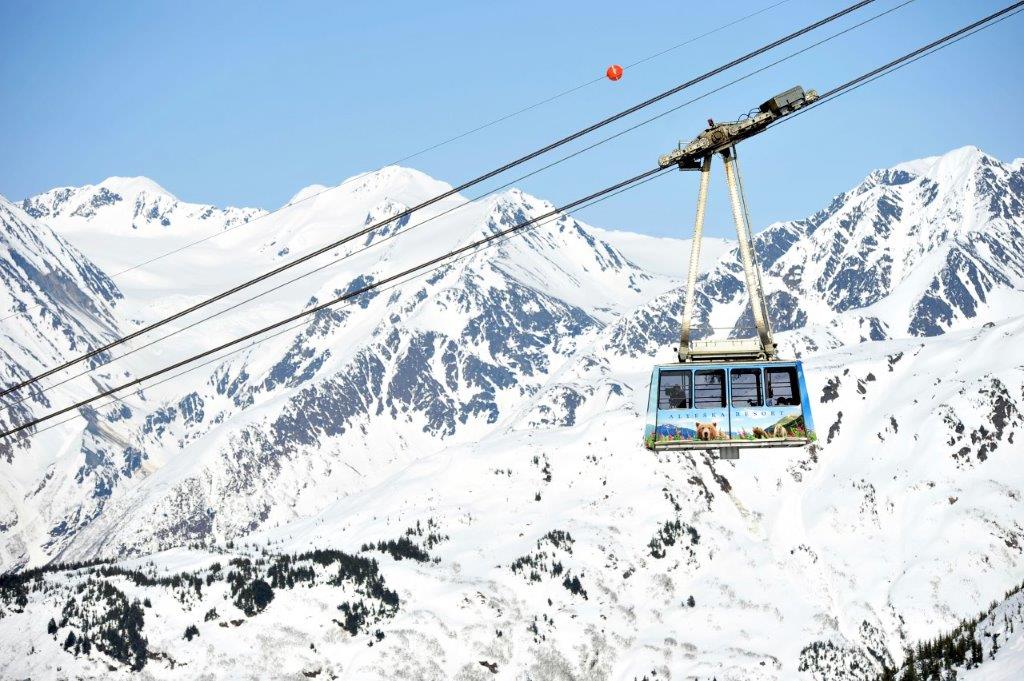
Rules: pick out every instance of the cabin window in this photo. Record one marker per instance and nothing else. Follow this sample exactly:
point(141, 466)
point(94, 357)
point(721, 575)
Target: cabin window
point(782, 387)
point(709, 389)
point(674, 390)
point(746, 387)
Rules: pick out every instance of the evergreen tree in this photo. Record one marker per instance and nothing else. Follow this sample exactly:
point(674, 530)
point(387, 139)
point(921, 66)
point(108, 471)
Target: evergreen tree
point(910, 670)
point(51, 628)
point(254, 597)
point(70, 641)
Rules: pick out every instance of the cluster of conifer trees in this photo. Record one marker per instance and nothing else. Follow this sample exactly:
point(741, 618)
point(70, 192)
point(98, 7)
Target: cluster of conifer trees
point(939, 658)
point(534, 565)
point(670, 534)
point(99, 615)
point(96, 616)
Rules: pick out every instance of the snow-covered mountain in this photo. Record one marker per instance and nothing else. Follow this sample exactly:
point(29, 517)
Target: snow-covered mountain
point(359, 392)
point(124, 221)
point(55, 303)
point(134, 207)
point(464, 448)
point(918, 249)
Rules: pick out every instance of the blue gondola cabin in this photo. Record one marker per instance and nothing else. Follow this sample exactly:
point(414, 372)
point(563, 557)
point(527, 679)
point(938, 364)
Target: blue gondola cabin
point(728, 404)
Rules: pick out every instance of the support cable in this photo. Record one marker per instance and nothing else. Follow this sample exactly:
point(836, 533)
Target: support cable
point(439, 260)
point(115, 399)
point(909, 58)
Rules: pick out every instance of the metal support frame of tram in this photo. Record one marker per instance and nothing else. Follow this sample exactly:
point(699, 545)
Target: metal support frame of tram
point(758, 354)
point(761, 347)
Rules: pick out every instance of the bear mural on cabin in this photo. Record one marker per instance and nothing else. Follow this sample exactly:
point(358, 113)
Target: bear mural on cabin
point(761, 434)
point(743, 428)
point(709, 431)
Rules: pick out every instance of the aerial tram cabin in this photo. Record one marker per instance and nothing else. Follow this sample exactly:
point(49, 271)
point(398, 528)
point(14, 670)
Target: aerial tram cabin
point(730, 394)
point(728, 405)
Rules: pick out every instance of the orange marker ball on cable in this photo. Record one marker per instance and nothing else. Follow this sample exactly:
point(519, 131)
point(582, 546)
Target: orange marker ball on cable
point(614, 72)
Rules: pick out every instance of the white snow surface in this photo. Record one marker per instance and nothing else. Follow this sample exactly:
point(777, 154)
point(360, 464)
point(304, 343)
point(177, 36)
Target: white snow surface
point(500, 400)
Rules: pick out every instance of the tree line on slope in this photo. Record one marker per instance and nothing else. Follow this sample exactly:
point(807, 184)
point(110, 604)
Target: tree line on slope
point(97, 616)
point(938, 659)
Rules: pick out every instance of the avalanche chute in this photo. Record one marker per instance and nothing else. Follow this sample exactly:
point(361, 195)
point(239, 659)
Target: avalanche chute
point(735, 393)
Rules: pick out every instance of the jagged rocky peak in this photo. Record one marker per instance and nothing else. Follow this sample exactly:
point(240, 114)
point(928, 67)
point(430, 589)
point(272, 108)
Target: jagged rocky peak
point(86, 200)
point(777, 238)
point(566, 243)
point(968, 184)
point(127, 206)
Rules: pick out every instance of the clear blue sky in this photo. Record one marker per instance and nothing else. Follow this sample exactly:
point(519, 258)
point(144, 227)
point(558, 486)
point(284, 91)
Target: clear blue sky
point(245, 103)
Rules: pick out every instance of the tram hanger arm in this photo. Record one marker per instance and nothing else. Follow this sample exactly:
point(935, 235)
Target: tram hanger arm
point(719, 137)
point(722, 139)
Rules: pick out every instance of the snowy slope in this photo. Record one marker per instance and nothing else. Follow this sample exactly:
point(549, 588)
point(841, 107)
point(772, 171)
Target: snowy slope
point(664, 255)
point(47, 283)
point(1001, 634)
point(123, 221)
point(497, 402)
point(55, 303)
point(795, 561)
